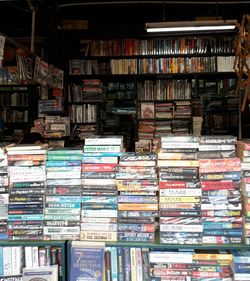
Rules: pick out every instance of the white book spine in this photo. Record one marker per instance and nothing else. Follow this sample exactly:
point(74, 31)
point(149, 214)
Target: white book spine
point(35, 259)
point(17, 260)
point(7, 270)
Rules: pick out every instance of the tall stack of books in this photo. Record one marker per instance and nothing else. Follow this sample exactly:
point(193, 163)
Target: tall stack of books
point(180, 193)
point(99, 195)
point(27, 184)
point(212, 266)
point(243, 151)
point(171, 265)
point(63, 194)
point(137, 199)
point(220, 182)
point(4, 193)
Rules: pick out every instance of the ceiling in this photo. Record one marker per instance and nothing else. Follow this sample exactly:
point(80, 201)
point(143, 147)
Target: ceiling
point(108, 16)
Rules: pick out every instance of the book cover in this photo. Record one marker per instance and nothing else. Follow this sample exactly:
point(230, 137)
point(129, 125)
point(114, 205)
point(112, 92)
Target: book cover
point(87, 261)
point(147, 110)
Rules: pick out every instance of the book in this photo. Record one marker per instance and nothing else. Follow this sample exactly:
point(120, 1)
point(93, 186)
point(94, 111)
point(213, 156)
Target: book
point(147, 110)
point(45, 273)
point(87, 261)
point(26, 147)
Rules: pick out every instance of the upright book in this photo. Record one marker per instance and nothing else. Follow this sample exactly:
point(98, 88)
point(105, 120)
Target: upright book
point(87, 261)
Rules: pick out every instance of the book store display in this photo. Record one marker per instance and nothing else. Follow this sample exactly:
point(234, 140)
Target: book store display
point(145, 208)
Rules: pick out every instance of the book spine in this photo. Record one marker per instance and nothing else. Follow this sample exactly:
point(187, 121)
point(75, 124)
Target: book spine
point(7, 270)
point(120, 257)
point(133, 264)
point(114, 263)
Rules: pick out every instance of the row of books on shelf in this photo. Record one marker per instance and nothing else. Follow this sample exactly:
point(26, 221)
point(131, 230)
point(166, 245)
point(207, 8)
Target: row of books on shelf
point(27, 262)
point(159, 46)
point(88, 90)
point(100, 261)
point(144, 264)
point(168, 110)
point(164, 90)
point(193, 190)
point(152, 65)
point(14, 99)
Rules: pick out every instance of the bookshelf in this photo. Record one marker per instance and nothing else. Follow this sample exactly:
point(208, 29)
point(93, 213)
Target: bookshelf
point(85, 105)
point(17, 109)
point(164, 70)
point(54, 251)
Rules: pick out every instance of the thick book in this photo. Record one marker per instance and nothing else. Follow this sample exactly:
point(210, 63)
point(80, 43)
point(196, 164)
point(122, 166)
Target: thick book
point(26, 147)
point(87, 261)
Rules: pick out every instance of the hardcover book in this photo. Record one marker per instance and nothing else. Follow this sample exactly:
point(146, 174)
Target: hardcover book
point(87, 261)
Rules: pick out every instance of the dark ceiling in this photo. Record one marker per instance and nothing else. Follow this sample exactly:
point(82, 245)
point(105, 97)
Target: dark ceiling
point(108, 16)
point(105, 18)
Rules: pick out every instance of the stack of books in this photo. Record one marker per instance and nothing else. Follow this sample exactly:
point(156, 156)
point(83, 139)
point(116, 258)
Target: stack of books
point(137, 199)
point(99, 195)
point(212, 266)
point(4, 193)
point(172, 265)
point(63, 194)
point(243, 151)
point(220, 182)
point(27, 184)
point(180, 193)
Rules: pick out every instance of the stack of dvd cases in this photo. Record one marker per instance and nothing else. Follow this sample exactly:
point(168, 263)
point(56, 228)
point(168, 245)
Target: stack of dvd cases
point(137, 199)
point(4, 194)
point(27, 184)
point(180, 193)
point(212, 266)
point(99, 194)
point(171, 265)
point(219, 173)
point(243, 151)
point(63, 194)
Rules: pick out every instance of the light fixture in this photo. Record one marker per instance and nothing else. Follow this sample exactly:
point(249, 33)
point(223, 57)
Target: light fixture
point(190, 26)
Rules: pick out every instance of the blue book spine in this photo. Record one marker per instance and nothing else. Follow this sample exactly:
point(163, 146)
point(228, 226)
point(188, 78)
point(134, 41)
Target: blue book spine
point(63, 163)
point(217, 225)
point(242, 268)
point(120, 255)
point(114, 264)
point(1, 261)
point(126, 264)
point(226, 232)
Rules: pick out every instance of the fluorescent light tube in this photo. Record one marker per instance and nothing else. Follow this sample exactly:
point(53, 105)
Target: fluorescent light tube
point(183, 26)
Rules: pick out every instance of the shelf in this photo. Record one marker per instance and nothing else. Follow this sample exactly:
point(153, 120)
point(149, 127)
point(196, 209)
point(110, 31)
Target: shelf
point(137, 76)
point(84, 102)
point(178, 246)
point(169, 55)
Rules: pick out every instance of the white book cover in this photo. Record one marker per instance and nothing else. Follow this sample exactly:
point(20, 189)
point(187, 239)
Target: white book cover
point(26, 147)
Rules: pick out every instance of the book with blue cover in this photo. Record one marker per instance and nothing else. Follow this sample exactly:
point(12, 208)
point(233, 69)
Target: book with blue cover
point(87, 261)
